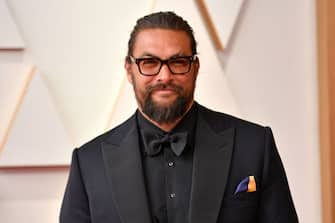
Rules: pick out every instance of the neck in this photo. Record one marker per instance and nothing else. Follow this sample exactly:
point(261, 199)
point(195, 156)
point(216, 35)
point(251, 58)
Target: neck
point(167, 126)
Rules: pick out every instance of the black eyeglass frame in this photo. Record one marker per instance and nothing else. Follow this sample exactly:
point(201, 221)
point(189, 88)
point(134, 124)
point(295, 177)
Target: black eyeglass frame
point(137, 61)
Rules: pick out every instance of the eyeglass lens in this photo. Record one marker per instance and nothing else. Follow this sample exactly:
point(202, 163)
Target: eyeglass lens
point(152, 66)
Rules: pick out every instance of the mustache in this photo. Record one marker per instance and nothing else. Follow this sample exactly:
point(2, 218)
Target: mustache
point(161, 86)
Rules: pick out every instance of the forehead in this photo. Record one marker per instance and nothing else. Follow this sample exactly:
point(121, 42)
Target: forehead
point(162, 43)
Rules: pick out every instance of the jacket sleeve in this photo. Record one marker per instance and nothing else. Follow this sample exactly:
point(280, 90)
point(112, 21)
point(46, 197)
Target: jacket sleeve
point(276, 204)
point(75, 207)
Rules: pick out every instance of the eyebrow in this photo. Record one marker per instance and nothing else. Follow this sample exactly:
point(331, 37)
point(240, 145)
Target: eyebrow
point(145, 54)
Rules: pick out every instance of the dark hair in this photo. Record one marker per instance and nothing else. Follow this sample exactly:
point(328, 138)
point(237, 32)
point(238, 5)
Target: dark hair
point(163, 20)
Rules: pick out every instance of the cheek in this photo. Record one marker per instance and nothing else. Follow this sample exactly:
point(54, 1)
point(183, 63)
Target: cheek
point(188, 82)
point(141, 83)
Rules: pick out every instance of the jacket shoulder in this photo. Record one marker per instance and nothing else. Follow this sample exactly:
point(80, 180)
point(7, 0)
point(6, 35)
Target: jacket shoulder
point(219, 120)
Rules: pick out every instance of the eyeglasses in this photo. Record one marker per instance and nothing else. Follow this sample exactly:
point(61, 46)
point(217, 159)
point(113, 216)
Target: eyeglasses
point(150, 66)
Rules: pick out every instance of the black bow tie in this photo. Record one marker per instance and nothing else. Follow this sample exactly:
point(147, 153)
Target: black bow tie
point(154, 143)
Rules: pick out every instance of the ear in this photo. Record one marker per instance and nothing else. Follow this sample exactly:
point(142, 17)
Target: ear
point(127, 67)
point(196, 66)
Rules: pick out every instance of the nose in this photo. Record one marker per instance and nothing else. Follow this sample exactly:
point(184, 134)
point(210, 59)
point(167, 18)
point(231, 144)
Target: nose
point(164, 74)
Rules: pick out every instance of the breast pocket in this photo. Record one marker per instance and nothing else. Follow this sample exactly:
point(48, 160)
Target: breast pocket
point(240, 208)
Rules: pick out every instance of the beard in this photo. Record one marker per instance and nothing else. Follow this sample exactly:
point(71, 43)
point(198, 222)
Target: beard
point(167, 112)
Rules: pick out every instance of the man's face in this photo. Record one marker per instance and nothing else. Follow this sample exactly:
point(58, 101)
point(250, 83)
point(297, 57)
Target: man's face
point(164, 97)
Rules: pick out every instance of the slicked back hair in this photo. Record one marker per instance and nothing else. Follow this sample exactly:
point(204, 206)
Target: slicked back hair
point(162, 20)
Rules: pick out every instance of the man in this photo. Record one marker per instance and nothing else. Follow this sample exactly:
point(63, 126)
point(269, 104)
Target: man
point(175, 161)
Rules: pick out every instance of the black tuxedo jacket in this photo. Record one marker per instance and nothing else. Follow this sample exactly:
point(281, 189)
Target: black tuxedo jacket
point(106, 183)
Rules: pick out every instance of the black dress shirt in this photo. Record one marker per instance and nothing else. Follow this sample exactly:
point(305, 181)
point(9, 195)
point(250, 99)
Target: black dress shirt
point(168, 177)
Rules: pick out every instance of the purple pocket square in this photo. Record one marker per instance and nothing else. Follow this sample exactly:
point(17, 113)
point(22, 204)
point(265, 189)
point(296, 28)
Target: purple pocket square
point(248, 184)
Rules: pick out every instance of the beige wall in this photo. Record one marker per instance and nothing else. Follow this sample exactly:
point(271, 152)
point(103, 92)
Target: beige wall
point(268, 75)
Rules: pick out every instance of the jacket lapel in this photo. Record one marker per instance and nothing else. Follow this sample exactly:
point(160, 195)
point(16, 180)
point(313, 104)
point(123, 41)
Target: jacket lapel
point(212, 156)
point(124, 167)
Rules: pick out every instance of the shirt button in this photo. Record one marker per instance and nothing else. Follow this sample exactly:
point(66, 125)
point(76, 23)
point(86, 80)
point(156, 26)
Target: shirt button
point(172, 195)
point(171, 164)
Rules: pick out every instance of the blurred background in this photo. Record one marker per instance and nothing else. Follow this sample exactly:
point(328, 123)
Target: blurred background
point(62, 83)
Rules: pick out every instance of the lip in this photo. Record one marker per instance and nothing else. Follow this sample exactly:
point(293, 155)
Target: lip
point(165, 91)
